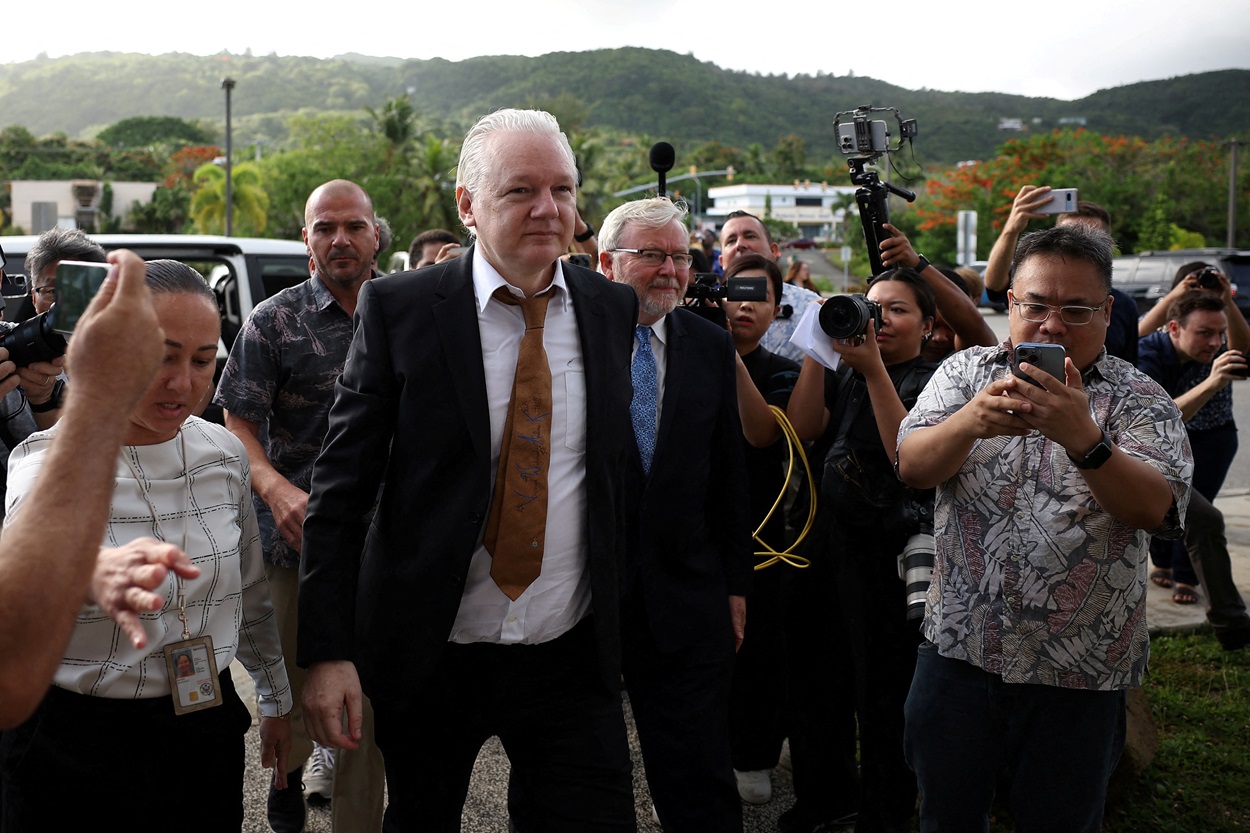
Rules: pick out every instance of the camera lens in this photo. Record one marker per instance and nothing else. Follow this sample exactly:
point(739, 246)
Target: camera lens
point(916, 570)
point(34, 340)
point(844, 316)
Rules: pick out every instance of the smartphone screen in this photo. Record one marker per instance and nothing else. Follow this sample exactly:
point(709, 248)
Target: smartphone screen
point(77, 283)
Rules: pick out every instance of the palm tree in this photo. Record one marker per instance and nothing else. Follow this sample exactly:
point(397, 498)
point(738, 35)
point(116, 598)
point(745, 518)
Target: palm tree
point(208, 205)
point(397, 122)
point(433, 185)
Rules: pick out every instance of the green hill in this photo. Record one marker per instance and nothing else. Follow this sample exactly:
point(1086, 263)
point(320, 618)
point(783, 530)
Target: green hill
point(658, 93)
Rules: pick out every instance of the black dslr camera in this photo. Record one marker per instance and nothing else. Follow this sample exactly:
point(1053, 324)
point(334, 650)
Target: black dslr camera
point(1209, 278)
point(34, 340)
point(847, 316)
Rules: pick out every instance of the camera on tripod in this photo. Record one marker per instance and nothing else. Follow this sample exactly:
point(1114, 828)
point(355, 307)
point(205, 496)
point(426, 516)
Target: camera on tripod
point(865, 139)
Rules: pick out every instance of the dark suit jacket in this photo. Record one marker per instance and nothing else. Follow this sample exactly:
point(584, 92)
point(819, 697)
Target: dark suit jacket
point(410, 414)
point(690, 535)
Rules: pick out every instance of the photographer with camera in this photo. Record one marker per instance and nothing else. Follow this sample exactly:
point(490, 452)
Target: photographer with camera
point(866, 518)
point(32, 395)
point(1190, 360)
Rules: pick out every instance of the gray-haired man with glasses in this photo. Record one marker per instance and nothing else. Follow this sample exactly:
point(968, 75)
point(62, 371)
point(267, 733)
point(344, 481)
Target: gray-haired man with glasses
point(1047, 495)
point(689, 546)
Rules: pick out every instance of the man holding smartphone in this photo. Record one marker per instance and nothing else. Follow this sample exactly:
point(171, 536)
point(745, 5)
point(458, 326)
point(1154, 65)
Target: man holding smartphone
point(1190, 360)
point(1047, 494)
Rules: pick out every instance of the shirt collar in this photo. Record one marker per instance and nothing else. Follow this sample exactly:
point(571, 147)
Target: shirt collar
point(322, 296)
point(486, 279)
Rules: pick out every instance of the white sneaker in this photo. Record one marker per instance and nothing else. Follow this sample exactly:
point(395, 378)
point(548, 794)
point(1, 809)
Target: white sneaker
point(319, 775)
point(754, 786)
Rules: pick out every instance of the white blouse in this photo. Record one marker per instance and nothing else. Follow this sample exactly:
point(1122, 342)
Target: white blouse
point(229, 601)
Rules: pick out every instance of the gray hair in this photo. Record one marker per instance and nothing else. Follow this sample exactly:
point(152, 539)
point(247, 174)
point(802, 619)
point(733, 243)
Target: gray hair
point(1071, 241)
point(474, 159)
point(57, 244)
point(385, 235)
point(653, 213)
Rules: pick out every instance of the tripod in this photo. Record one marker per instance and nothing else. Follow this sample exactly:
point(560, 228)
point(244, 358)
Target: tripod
point(874, 210)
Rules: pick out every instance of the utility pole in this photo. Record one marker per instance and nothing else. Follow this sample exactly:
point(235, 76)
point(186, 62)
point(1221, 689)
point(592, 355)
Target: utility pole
point(227, 84)
point(1233, 144)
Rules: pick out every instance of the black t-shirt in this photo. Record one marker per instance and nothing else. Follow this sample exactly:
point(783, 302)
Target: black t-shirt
point(774, 377)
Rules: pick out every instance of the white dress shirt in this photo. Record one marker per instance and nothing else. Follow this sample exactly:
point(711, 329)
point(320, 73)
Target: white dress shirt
point(560, 597)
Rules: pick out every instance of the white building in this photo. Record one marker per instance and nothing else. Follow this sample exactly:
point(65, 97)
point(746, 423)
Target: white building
point(39, 205)
point(809, 205)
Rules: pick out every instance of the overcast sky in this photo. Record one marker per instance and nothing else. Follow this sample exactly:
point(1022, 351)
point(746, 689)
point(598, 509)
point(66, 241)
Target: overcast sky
point(1063, 49)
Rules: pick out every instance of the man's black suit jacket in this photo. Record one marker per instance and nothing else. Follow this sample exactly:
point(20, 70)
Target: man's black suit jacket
point(410, 416)
point(689, 531)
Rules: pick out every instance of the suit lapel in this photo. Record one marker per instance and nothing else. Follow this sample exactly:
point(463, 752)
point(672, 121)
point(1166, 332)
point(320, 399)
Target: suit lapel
point(455, 313)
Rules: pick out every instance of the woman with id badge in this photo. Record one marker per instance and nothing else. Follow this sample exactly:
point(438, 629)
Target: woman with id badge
point(136, 731)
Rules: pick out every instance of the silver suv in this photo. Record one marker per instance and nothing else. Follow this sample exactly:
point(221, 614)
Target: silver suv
point(1147, 276)
point(242, 272)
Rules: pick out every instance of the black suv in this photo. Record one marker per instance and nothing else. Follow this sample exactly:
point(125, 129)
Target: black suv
point(1147, 276)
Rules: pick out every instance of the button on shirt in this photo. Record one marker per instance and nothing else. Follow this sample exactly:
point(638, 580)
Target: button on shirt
point(1033, 581)
point(560, 597)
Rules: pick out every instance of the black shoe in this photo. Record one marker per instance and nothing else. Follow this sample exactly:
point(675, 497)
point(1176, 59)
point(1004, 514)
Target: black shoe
point(1233, 639)
point(286, 808)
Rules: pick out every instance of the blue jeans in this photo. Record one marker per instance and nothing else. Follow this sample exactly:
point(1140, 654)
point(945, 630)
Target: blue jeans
point(964, 726)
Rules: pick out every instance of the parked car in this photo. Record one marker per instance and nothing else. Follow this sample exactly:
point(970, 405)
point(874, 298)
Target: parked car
point(241, 271)
point(799, 243)
point(1147, 276)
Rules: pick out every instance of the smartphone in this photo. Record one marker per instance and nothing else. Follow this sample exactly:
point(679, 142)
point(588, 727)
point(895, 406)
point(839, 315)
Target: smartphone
point(580, 259)
point(1049, 357)
point(1240, 371)
point(1062, 201)
point(77, 282)
point(456, 251)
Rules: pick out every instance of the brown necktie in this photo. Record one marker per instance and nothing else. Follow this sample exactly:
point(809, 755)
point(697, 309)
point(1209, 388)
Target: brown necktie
point(517, 526)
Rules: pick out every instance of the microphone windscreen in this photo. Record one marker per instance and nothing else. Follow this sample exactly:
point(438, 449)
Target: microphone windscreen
point(662, 157)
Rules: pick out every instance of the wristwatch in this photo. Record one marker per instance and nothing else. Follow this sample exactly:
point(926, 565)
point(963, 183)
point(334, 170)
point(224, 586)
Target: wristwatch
point(1096, 456)
point(54, 401)
point(921, 264)
point(585, 235)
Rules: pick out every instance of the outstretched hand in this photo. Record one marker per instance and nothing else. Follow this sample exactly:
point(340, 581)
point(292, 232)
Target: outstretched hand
point(125, 579)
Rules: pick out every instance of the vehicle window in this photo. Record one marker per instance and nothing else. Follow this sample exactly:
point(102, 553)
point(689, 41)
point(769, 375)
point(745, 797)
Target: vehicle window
point(279, 272)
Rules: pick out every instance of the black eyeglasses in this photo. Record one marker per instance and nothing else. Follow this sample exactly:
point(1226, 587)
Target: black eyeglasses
point(656, 257)
point(1072, 314)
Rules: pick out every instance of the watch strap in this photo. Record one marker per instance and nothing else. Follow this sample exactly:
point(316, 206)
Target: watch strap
point(1096, 456)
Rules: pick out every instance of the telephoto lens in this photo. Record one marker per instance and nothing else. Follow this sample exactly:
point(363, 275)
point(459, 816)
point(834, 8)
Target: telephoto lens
point(915, 568)
point(847, 316)
point(34, 340)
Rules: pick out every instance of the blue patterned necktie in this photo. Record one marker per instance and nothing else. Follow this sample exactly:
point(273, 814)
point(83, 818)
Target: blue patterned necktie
point(646, 396)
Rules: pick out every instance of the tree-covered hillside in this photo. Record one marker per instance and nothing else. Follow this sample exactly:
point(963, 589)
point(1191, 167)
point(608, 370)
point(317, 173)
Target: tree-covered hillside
point(646, 92)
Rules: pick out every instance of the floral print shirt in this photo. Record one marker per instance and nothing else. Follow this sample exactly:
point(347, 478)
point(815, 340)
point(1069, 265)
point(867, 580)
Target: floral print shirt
point(281, 375)
point(1033, 581)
